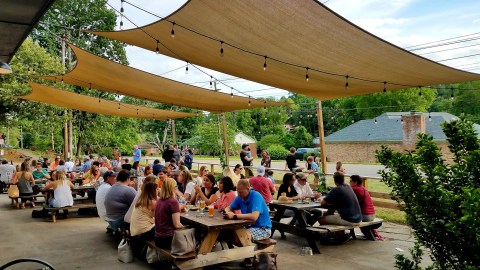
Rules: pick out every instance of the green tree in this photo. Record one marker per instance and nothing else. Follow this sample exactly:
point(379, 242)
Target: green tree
point(441, 200)
point(268, 140)
point(302, 137)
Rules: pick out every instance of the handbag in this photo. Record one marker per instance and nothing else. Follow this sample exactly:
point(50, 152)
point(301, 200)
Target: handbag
point(183, 242)
point(265, 261)
point(13, 191)
point(153, 256)
point(125, 253)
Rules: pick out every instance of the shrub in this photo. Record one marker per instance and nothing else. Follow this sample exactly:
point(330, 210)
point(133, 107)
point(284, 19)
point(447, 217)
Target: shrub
point(441, 200)
point(268, 140)
point(277, 152)
point(105, 151)
point(305, 155)
point(144, 152)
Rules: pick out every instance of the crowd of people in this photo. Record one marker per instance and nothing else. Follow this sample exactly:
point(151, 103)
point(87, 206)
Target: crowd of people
point(149, 199)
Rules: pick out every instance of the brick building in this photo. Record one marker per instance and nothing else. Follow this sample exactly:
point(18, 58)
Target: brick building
point(397, 130)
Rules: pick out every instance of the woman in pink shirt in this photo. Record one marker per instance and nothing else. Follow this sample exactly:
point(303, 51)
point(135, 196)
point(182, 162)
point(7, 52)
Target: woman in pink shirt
point(227, 194)
point(364, 199)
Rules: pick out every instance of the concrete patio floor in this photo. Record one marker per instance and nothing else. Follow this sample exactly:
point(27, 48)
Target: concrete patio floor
point(81, 243)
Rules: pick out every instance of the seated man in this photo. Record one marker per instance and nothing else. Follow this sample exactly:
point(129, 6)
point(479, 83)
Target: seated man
point(54, 165)
point(40, 173)
point(344, 201)
point(291, 161)
point(157, 167)
point(110, 178)
point(303, 188)
point(263, 185)
point(252, 207)
point(118, 200)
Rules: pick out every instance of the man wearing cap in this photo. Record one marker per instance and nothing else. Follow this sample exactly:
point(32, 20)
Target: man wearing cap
point(86, 164)
point(109, 179)
point(245, 156)
point(303, 188)
point(263, 185)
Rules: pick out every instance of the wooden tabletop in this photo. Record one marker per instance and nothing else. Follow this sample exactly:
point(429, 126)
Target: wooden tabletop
point(215, 222)
point(296, 205)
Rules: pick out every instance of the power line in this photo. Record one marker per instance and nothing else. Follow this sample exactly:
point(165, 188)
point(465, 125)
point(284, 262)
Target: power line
point(451, 49)
point(441, 40)
point(466, 56)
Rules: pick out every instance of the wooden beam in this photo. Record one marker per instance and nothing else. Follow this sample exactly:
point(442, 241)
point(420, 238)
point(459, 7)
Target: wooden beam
point(174, 132)
point(70, 136)
point(217, 257)
point(321, 136)
point(225, 142)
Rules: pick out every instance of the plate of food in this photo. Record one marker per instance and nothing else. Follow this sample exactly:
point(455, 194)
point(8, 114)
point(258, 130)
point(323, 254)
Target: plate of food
point(194, 208)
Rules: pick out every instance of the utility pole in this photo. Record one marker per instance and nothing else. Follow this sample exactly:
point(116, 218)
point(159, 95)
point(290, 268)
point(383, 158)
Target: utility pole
point(174, 132)
point(21, 137)
point(70, 136)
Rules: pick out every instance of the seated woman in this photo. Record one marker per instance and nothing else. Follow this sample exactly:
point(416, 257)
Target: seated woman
point(208, 192)
point(201, 173)
point(142, 223)
point(92, 177)
point(288, 188)
point(186, 188)
point(227, 194)
point(136, 170)
point(364, 199)
point(238, 171)
point(128, 215)
point(24, 181)
point(62, 190)
point(167, 215)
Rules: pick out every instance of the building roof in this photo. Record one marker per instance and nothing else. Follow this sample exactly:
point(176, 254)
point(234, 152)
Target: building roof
point(388, 128)
point(241, 138)
point(17, 21)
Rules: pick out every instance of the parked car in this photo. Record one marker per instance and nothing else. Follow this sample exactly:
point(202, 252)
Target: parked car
point(300, 154)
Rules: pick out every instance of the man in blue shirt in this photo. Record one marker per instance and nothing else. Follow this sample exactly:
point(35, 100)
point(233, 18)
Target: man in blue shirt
point(86, 164)
point(137, 153)
point(252, 207)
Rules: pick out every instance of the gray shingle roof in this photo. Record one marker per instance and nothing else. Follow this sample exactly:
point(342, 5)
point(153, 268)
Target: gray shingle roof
point(389, 128)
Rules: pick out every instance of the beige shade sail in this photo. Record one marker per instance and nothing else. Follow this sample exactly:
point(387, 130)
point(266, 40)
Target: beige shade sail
point(105, 75)
point(304, 33)
point(62, 98)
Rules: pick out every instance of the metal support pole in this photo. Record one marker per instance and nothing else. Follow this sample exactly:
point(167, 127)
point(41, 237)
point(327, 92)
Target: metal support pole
point(321, 136)
point(70, 137)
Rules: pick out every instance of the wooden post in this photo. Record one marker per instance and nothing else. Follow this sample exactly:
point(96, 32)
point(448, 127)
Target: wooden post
point(70, 136)
point(65, 140)
point(174, 132)
point(21, 138)
point(225, 142)
point(321, 136)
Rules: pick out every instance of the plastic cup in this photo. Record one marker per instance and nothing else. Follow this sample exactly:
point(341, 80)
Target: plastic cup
point(77, 185)
point(211, 209)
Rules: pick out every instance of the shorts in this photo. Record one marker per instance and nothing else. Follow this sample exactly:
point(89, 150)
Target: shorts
point(337, 220)
point(259, 233)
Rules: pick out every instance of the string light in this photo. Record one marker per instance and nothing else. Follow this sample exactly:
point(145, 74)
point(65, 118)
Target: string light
point(346, 82)
point(249, 101)
point(384, 87)
point(306, 74)
point(172, 33)
point(121, 14)
point(265, 105)
point(186, 68)
point(118, 105)
point(62, 78)
point(221, 48)
point(401, 117)
point(137, 111)
point(419, 91)
point(211, 81)
point(265, 64)
point(157, 50)
point(451, 95)
point(231, 92)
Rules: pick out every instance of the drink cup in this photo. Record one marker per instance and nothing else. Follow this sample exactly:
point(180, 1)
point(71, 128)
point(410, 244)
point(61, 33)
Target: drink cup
point(210, 210)
point(77, 185)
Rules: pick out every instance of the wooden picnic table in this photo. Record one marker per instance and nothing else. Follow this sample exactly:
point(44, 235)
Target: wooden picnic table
point(298, 225)
point(213, 226)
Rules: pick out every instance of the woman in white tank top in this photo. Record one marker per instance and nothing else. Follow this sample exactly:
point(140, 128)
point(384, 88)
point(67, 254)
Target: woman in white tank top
point(62, 190)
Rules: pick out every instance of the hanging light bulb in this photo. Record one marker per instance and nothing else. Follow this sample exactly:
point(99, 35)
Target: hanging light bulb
point(186, 68)
point(211, 81)
point(249, 101)
point(265, 64)
point(306, 74)
point(346, 82)
point(118, 105)
point(90, 86)
point(98, 99)
point(221, 48)
point(264, 104)
point(376, 121)
point(157, 50)
point(172, 33)
point(419, 91)
point(401, 117)
point(384, 87)
point(231, 92)
point(62, 78)
point(429, 117)
point(137, 111)
point(451, 95)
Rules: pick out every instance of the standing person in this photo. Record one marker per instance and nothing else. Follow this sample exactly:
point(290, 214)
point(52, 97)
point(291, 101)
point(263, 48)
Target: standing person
point(177, 154)
point(244, 156)
point(118, 200)
point(266, 160)
point(126, 166)
point(291, 161)
point(24, 180)
point(167, 215)
point(136, 170)
point(263, 185)
point(167, 154)
point(86, 164)
point(344, 201)
point(69, 165)
point(339, 167)
point(62, 190)
point(137, 154)
point(6, 172)
point(188, 159)
point(363, 197)
point(110, 178)
point(252, 207)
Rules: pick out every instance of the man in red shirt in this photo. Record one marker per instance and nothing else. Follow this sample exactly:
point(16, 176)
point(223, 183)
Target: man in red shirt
point(263, 185)
point(364, 199)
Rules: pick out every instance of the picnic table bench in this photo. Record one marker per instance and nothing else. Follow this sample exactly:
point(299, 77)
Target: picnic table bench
point(54, 211)
point(169, 254)
point(16, 202)
point(366, 228)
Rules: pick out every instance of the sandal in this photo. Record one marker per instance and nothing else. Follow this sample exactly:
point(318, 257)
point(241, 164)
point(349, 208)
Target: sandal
point(33, 205)
point(22, 206)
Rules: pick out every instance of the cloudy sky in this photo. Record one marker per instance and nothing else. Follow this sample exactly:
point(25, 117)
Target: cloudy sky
point(405, 23)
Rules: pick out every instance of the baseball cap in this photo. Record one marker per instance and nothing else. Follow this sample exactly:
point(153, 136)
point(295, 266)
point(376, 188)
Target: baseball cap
point(109, 173)
point(260, 170)
point(302, 176)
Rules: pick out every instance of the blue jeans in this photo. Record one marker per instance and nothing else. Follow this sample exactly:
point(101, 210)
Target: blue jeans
point(115, 224)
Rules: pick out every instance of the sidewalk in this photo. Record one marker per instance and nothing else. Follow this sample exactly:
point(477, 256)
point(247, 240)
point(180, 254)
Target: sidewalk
point(81, 243)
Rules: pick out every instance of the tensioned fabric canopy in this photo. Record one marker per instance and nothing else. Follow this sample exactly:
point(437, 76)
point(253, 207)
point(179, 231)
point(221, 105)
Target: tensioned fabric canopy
point(62, 98)
point(301, 32)
point(105, 75)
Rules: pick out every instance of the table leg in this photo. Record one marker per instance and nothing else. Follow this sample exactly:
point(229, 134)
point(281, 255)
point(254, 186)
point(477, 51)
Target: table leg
point(208, 242)
point(313, 243)
point(277, 217)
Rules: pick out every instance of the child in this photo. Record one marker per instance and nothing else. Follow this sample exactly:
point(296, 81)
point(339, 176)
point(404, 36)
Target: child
point(270, 176)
